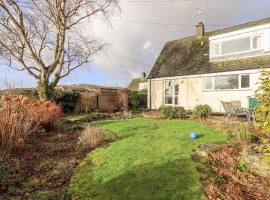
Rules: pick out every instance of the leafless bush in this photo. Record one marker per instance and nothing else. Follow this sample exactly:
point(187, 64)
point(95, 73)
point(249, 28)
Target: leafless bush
point(87, 102)
point(91, 138)
point(152, 115)
point(123, 98)
point(20, 117)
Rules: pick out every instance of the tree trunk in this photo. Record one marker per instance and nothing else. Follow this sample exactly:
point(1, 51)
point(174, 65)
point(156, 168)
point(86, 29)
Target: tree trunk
point(45, 91)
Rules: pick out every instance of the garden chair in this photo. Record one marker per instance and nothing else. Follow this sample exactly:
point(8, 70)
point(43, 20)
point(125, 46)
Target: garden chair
point(234, 112)
point(227, 113)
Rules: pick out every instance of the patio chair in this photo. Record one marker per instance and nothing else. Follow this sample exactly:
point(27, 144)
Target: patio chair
point(234, 112)
point(227, 113)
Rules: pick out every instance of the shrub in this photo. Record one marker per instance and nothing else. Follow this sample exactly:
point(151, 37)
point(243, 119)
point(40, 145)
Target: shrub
point(4, 174)
point(144, 91)
point(153, 114)
point(20, 117)
point(124, 98)
point(90, 138)
point(87, 102)
point(242, 133)
point(202, 111)
point(94, 116)
point(171, 112)
point(68, 100)
point(168, 112)
point(263, 109)
point(134, 99)
point(180, 112)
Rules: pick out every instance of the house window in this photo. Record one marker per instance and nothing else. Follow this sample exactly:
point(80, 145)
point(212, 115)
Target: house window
point(176, 93)
point(235, 46)
point(227, 82)
point(245, 81)
point(171, 91)
point(208, 83)
point(215, 49)
point(256, 42)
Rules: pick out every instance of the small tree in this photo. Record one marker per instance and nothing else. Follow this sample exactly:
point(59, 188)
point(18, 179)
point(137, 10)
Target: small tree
point(263, 109)
point(124, 98)
point(134, 99)
point(43, 37)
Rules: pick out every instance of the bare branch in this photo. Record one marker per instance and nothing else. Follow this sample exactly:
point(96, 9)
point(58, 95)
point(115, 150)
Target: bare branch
point(42, 37)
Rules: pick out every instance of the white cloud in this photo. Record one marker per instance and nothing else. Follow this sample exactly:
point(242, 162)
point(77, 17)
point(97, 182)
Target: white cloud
point(146, 45)
point(129, 59)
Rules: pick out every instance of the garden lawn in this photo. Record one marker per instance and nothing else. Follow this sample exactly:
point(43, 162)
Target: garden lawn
point(151, 159)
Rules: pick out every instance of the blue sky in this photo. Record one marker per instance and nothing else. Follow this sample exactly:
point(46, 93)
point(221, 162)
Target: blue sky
point(133, 48)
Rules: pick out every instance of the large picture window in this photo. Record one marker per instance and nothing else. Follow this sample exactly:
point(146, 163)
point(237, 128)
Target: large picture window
point(227, 82)
point(171, 92)
point(235, 46)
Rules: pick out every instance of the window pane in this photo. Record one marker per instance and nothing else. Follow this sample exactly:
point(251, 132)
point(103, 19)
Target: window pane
point(215, 49)
point(244, 81)
point(168, 92)
point(236, 46)
point(176, 93)
point(208, 83)
point(175, 100)
point(168, 100)
point(226, 82)
point(176, 90)
point(168, 88)
point(257, 42)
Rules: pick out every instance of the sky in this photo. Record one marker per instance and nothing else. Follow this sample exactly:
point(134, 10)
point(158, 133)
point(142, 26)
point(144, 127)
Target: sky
point(133, 46)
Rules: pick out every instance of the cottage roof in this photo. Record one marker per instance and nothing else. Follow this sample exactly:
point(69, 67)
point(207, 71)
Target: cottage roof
point(190, 56)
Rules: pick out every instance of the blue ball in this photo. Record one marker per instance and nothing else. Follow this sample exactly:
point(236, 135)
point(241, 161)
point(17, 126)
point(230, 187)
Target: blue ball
point(193, 135)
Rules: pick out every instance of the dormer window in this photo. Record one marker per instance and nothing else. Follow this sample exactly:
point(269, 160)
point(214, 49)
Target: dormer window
point(257, 42)
point(235, 46)
point(215, 49)
point(228, 47)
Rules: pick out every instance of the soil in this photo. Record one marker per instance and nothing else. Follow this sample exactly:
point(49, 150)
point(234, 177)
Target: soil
point(42, 169)
point(229, 178)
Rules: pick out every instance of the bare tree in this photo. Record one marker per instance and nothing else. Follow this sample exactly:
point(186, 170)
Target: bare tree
point(42, 37)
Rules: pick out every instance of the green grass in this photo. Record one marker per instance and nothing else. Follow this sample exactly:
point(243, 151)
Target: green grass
point(74, 118)
point(150, 160)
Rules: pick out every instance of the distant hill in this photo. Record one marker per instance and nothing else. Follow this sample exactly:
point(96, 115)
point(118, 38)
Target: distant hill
point(18, 91)
point(76, 87)
point(84, 87)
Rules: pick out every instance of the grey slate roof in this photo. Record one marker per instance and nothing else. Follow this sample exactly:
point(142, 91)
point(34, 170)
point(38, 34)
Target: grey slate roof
point(190, 56)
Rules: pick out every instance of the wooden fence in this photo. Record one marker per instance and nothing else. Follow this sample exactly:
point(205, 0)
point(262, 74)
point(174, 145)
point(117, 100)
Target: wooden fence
point(103, 100)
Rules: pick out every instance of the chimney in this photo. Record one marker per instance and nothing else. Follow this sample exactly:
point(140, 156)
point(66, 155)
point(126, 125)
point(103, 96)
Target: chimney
point(143, 75)
point(200, 30)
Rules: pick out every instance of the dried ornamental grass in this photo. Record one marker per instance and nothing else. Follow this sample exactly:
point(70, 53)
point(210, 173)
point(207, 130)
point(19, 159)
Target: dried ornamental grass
point(91, 138)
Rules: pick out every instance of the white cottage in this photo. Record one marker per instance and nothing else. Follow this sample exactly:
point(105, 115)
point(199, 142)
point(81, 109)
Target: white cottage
point(212, 66)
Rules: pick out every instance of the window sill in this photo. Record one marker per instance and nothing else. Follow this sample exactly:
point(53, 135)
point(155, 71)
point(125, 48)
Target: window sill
point(238, 55)
point(228, 90)
point(170, 105)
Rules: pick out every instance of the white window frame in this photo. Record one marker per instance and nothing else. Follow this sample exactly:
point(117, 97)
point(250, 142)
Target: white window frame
point(173, 93)
point(219, 49)
point(239, 83)
point(251, 49)
point(251, 42)
point(204, 82)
